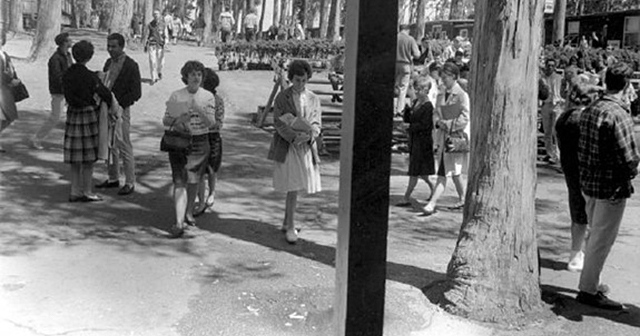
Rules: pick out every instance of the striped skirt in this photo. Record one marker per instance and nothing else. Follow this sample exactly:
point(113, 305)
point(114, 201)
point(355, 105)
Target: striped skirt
point(81, 135)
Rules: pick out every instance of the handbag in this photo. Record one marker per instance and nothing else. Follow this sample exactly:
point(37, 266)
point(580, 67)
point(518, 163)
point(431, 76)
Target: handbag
point(456, 142)
point(20, 92)
point(176, 142)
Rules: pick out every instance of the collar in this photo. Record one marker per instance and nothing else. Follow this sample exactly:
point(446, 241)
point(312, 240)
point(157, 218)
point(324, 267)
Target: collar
point(119, 58)
point(616, 100)
point(455, 90)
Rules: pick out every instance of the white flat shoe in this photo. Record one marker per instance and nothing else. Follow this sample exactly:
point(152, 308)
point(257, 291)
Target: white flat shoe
point(291, 236)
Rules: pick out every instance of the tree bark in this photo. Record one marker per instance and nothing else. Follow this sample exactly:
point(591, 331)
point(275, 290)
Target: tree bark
point(332, 13)
point(262, 11)
point(421, 18)
point(121, 13)
point(559, 15)
point(49, 20)
point(493, 274)
point(3, 23)
point(337, 20)
point(304, 9)
point(325, 7)
point(16, 24)
point(284, 16)
point(207, 13)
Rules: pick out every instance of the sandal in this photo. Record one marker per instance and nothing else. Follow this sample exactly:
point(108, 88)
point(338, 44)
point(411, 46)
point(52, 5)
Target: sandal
point(176, 231)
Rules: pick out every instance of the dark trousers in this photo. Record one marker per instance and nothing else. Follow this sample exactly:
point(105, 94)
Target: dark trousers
point(224, 35)
point(250, 34)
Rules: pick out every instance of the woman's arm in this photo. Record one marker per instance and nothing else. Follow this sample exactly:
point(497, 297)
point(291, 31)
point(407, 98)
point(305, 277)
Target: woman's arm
point(315, 118)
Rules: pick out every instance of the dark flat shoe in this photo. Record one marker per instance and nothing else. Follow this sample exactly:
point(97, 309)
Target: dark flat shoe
point(126, 190)
point(176, 232)
point(108, 184)
point(403, 204)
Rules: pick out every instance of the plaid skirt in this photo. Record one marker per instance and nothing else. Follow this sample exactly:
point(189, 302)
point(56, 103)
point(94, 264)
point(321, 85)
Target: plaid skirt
point(81, 135)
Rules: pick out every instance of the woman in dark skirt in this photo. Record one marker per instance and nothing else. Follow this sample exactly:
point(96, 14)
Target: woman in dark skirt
point(81, 133)
point(420, 119)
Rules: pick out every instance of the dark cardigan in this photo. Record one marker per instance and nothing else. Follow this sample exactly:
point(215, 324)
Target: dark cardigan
point(127, 87)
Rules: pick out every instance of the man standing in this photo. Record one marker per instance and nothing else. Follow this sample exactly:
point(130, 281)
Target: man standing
point(608, 160)
point(407, 50)
point(226, 25)
point(250, 25)
point(551, 109)
point(122, 77)
point(59, 62)
point(154, 45)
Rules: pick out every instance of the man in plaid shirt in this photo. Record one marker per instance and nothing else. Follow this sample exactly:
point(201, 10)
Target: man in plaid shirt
point(608, 160)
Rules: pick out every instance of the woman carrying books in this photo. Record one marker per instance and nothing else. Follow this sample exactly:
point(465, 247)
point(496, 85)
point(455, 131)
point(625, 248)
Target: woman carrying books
point(293, 149)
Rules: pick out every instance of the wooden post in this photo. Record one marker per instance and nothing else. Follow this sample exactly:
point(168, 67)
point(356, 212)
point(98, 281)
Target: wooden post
point(365, 161)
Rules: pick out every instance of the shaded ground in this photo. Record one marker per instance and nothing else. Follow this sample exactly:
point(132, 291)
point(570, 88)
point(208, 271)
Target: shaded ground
point(108, 269)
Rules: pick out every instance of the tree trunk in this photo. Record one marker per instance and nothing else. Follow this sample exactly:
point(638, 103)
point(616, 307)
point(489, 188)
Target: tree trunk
point(262, 11)
point(304, 9)
point(148, 17)
point(49, 21)
point(3, 23)
point(74, 14)
point(493, 274)
point(158, 5)
point(336, 20)
point(457, 10)
point(207, 13)
point(277, 10)
point(421, 18)
point(121, 13)
point(16, 24)
point(284, 16)
point(332, 13)
point(559, 15)
point(325, 7)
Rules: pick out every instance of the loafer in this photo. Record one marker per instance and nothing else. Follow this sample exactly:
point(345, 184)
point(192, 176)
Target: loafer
point(108, 184)
point(291, 236)
point(126, 190)
point(598, 300)
point(91, 198)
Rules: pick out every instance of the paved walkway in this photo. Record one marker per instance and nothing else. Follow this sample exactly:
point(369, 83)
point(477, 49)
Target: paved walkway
point(108, 269)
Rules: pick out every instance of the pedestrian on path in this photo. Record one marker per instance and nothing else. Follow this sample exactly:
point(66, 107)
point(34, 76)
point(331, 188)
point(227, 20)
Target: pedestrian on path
point(8, 80)
point(210, 83)
point(122, 77)
point(420, 119)
point(155, 42)
point(294, 150)
point(451, 115)
point(608, 160)
point(80, 85)
point(226, 25)
point(407, 51)
point(568, 133)
point(551, 109)
point(190, 110)
point(58, 64)
point(250, 25)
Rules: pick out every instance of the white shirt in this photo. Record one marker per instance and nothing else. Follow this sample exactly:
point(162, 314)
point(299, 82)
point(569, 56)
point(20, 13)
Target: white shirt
point(182, 101)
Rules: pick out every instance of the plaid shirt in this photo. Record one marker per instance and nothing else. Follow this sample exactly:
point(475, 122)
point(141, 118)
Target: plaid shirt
point(607, 153)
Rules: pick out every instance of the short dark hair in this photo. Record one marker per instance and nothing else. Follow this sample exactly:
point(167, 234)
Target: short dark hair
point(118, 37)
point(299, 68)
point(434, 67)
point(82, 51)
point(189, 67)
point(618, 76)
point(210, 81)
point(546, 62)
point(61, 38)
point(452, 69)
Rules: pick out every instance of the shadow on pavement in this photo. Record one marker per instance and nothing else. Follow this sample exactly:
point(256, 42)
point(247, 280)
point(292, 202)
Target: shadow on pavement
point(567, 307)
point(270, 236)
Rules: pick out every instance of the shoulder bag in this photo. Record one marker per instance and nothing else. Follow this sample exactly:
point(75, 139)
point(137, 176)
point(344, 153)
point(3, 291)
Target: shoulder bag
point(456, 142)
point(174, 141)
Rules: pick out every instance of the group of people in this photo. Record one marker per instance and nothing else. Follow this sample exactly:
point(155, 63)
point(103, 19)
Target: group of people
point(439, 112)
point(599, 157)
point(591, 120)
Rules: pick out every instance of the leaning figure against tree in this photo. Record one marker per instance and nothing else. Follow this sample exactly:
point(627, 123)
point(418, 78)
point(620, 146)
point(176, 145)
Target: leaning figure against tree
point(608, 160)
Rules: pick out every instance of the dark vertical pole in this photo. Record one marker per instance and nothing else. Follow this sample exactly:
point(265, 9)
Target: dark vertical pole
point(365, 162)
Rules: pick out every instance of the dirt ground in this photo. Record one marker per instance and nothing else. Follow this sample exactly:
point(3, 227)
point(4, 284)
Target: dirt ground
point(108, 269)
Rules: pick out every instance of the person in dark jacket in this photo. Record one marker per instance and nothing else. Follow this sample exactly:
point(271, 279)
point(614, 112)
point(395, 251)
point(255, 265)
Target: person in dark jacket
point(80, 85)
point(122, 77)
point(59, 62)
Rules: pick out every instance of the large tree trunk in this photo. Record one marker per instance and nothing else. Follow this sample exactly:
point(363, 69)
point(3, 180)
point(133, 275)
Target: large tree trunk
point(559, 14)
point(332, 13)
point(304, 9)
point(493, 274)
point(3, 21)
point(207, 13)
point(263, 9)
point(15, 16)
point(457, 10)
point(284, 16)
point(337, 22)
point(421, 18)
point(49, 21)
point(325, 7)
point(121, 13)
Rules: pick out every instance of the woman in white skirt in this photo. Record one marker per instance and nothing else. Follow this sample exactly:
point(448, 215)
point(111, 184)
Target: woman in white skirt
point(297, 121)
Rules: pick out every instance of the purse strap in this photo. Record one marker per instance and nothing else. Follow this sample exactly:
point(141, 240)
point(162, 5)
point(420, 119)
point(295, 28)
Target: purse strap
point(452, 123)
